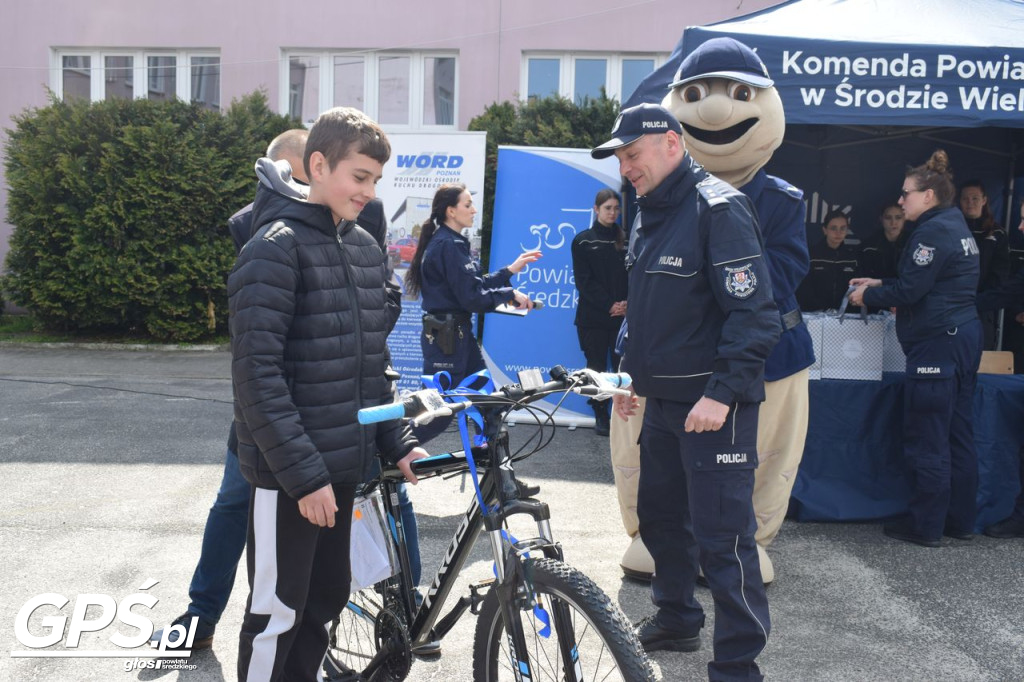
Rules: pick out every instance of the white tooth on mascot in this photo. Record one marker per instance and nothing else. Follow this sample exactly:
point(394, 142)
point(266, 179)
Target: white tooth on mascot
point(733, 121)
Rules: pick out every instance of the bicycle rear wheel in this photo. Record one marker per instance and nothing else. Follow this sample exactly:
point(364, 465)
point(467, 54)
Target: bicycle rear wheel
point(366, 625)
point(597, 633)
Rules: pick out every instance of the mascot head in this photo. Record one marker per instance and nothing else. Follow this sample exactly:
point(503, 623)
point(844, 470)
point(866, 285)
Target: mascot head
point(731, 114)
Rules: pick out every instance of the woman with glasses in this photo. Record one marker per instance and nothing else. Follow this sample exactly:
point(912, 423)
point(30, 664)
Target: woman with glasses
point(937, 325)
point(598, 266)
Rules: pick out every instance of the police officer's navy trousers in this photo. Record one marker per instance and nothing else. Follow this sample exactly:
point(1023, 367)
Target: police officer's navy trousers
point(695, 506)
point(938, 434)
point(466, 359)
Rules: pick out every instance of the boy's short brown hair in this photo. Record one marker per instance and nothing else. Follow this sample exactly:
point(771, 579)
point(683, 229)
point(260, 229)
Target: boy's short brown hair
point(342, 131)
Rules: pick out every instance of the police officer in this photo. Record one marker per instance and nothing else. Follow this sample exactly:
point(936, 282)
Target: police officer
point(833, 263)
point(701, 323)
point(937, 325)
point(454, 288)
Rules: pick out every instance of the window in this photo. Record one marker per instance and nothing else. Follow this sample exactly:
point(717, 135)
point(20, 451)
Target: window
point(399, 89)
point(124, 74)
point(578, 76)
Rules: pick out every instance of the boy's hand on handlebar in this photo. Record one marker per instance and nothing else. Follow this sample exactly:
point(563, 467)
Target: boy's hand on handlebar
point(319, 507)
point(405, 464)
point(626, 406)
point(524, 259)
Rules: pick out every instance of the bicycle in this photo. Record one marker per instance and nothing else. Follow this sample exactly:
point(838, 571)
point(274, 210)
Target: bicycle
point(539, 618)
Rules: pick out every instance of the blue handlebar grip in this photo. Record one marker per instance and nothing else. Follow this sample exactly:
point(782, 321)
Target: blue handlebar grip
point(381, 413)
point(619, 380)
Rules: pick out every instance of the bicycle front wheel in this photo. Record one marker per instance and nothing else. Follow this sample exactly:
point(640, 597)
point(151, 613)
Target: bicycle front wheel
point(575, 634)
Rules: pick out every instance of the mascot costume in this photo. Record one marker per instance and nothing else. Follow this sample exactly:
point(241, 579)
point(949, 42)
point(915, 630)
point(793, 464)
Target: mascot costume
point(733, 121)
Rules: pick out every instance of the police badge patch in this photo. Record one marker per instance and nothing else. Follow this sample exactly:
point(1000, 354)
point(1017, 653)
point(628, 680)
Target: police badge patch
point(923, 255)
point(740, 282)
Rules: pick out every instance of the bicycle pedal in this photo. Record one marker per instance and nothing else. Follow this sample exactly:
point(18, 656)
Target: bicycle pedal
point(477, 592)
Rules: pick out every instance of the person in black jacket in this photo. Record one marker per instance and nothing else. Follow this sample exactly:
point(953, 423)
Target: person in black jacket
point(833, 263)
point(880, 253)
point(937, 325)
point(701, 322)
point(1010, 294)
point(309, 323)
point(994, 248)
point(598, 267)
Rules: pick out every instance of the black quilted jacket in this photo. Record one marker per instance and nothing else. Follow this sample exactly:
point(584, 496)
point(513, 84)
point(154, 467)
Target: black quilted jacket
point(308, 345)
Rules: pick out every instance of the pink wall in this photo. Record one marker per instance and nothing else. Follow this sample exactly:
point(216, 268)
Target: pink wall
point(489, 35)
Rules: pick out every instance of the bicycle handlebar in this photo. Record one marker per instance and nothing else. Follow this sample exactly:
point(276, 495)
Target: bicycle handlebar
point(425, 405)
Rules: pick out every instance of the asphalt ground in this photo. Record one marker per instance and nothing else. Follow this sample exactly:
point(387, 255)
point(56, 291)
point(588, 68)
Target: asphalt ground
point(111, 458)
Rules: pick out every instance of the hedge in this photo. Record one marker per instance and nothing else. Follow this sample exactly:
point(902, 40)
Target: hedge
point(119, 211)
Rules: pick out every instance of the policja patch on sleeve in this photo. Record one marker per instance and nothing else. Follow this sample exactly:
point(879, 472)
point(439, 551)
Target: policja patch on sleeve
point(740, 282)
point(923, 255)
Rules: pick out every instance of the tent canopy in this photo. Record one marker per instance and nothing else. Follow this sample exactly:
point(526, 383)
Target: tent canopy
point(872, 86)
point(953, 63)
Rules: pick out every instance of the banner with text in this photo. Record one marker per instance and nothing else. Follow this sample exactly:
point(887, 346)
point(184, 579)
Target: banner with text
point(420, 163)
point(543, 198)
point(877, 83)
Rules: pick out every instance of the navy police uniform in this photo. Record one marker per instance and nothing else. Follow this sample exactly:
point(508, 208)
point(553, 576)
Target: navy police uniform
point(829, 278)
point(937, 325)
point(780, 212)
point(453, 287)
point(701, 323)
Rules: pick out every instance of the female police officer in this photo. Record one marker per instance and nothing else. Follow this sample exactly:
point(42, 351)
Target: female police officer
point(453, 288)
point(938, 327)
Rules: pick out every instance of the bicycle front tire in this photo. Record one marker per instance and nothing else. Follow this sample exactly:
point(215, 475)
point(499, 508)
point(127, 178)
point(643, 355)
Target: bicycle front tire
point(604, 643)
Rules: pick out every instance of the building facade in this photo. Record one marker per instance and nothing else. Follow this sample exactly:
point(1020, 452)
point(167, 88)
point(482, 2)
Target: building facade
point(410, 65)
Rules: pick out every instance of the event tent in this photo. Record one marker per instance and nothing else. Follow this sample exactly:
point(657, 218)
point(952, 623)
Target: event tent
point(870, 86)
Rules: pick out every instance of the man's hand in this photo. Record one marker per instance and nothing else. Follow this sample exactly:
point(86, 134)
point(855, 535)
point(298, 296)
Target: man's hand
point(626, 406)
point(319, 507)
point(405, 464)
point(706, 415)
point(618, 309)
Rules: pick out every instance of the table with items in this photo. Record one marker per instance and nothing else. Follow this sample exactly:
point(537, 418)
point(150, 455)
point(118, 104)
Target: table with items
point(852, 468)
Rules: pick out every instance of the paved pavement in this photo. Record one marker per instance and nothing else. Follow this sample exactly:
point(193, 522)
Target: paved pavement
point(110, 460)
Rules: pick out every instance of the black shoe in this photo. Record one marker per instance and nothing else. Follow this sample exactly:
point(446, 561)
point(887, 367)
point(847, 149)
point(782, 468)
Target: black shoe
point(1011, 527)
point(653, 637)
point(957, 534)
point(202, 640)
point(524, 490)
point(901, 530)
point(639, 576)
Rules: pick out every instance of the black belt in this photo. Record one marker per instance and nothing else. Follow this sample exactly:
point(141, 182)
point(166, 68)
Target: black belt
point(459, 318)
point(791, 319)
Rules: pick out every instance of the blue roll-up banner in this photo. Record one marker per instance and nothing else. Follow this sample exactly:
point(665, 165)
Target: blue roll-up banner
point(544, 197)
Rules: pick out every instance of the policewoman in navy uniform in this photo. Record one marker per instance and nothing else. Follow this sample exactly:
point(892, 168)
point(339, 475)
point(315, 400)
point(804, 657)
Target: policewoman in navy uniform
point(453, 288)
point(937, 325)
point(701, 323)
point(833, 263)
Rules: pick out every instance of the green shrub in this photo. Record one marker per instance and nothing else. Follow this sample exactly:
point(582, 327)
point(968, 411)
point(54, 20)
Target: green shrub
point(549, 122)
point(119, 211)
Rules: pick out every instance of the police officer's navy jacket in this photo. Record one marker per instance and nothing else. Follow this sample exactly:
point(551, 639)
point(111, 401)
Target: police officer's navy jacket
point(827, 282)
point(780, 214)
point(600, 274)
point(452, 281)
point(938, 276)
point(701, 315)
point(308, 331)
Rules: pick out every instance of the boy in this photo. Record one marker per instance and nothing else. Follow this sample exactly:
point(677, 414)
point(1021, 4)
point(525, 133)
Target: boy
point(308, 330)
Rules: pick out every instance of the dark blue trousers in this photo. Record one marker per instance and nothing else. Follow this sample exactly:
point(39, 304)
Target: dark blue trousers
point(938, 434)
point(695, 508)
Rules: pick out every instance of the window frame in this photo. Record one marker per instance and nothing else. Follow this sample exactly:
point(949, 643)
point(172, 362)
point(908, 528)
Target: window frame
point(371, 74)
point(140, 70)
point(567, 70)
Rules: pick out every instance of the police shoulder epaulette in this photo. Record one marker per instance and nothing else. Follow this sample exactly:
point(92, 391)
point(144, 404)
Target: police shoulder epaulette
point(711, 190)
point(780, 185)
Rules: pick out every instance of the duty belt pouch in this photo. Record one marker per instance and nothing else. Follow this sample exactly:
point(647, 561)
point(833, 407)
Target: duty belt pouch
point(441, 331)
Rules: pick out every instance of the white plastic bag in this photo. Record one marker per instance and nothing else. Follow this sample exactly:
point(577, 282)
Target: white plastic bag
point(371, 554)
